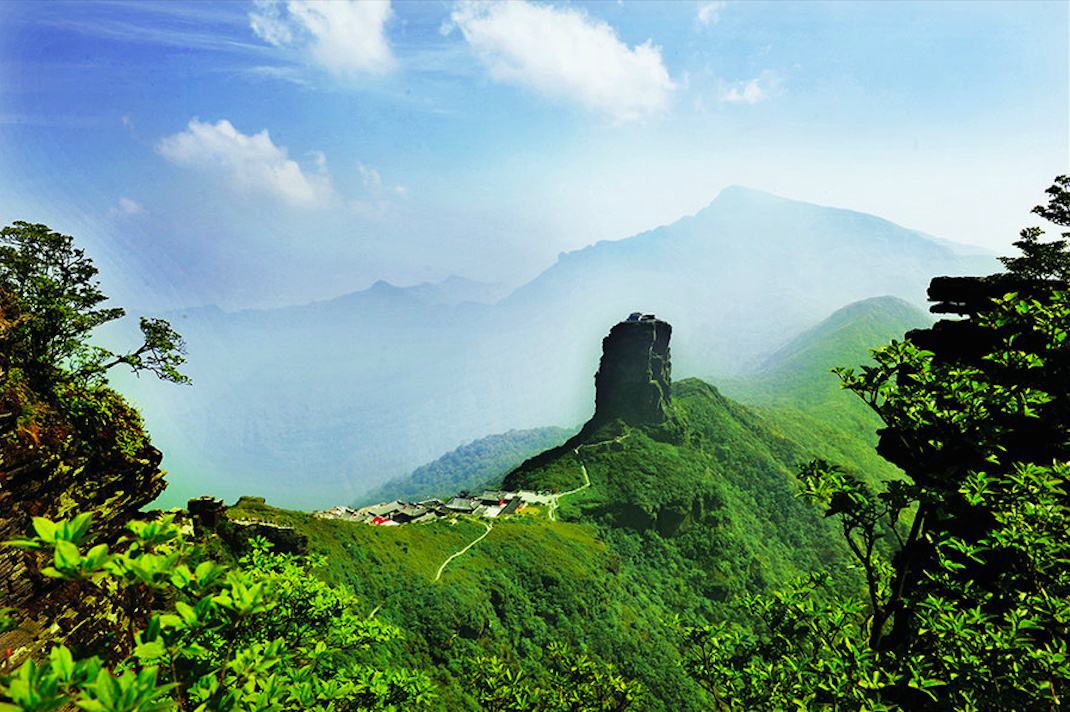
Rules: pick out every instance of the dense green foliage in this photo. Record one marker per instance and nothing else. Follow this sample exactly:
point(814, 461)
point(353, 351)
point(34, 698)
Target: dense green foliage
point(669, 528)
point(263, 635)
point(577, 684)
point(53, 285)
point(972, 611)
point(529, 584)
point(479, 465)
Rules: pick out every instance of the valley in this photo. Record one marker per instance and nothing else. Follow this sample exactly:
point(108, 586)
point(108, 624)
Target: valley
point(666, 506)
point(403, 375)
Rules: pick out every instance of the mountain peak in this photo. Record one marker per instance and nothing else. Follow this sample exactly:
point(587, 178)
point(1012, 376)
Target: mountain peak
point(634, 379)
point(743, 191)
point(743, 196)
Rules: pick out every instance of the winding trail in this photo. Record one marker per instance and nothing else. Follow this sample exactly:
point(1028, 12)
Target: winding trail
point(450, 558)
point(551, 510)
point(554, 503)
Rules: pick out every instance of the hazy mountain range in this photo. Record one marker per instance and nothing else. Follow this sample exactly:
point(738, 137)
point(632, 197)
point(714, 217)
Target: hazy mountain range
point(318, 404)
point(794, 388)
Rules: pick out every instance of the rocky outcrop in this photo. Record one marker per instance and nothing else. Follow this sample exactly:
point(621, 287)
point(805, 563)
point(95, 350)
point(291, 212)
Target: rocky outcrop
point(633, 386)
point(210, 518)
point(237, 533)
point(68, 451)
point(207, 514)
point(634, 379)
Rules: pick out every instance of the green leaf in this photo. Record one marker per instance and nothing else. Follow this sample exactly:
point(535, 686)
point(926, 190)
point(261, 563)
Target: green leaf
point(151, 650)
point(45, 528)
point(67, 557)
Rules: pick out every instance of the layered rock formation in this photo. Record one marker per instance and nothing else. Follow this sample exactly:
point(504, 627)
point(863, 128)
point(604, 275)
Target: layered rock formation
point(634, 379)
point(63, 453)
point(210, 518)
point(633, 386)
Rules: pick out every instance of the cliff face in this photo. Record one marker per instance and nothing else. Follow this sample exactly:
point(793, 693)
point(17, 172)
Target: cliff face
point(65, 452)
point(633, 386)
point(634, 379)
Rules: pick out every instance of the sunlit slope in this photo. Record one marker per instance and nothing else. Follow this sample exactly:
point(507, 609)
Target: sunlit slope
point(676, 520)
point(799, 373)
point(795, 392)
point(723, 488)
point(529, 582)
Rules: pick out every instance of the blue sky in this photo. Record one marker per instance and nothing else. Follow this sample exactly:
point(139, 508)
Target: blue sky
point(256, 154)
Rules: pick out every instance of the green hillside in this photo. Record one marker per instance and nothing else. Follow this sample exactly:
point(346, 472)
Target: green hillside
point(475, 466)
point(796, 394)
point(668, 527)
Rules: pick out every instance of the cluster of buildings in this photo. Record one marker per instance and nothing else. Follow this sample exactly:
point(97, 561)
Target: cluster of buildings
point(489, 504)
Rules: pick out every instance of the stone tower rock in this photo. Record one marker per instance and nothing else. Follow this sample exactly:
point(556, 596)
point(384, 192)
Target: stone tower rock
point(634, 381)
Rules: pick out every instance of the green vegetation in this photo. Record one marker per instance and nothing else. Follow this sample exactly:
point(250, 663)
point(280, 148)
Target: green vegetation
point(529, 584)
point(798, 375)
point(688, 568)
point(972, 610)
point(148, 620)
point(797, 395)
point(52, 284)
point(264, 635)
point(668, 528)
point(578, 684)
point(479, 465)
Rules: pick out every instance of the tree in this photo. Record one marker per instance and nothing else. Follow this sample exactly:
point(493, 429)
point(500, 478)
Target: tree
point(575, 682)
point(264, 635)
point(1045, 260)
point(53, 283)
point(971, 610)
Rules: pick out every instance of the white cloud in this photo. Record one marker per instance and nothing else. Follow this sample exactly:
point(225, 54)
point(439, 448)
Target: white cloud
point(370, 177)
point(751, 91)
point(250, 164)
point(319, 160)
point(344, 36)
point(566, 54)
point(709, 13)
point(128, 206)
point(375, 202)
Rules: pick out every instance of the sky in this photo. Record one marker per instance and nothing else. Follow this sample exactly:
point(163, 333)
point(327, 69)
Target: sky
point(256, 154)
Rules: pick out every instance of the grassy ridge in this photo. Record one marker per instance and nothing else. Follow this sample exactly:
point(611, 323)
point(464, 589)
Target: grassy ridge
point(675, 522)
point(669, 526)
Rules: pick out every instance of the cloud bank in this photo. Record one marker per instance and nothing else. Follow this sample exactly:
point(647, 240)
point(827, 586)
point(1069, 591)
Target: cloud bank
point(346, 37)
point(248, 164)
point(565, 54)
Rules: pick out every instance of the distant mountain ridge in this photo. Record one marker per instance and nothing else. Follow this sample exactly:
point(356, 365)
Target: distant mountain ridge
point(474, 466)
point(451, 291)
point(797, 394)
point(846, 335)
point(317, 404)
point(669, 503)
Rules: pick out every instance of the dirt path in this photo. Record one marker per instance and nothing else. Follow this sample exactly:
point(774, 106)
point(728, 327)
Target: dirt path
point(552, 509)
point(450, 558)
